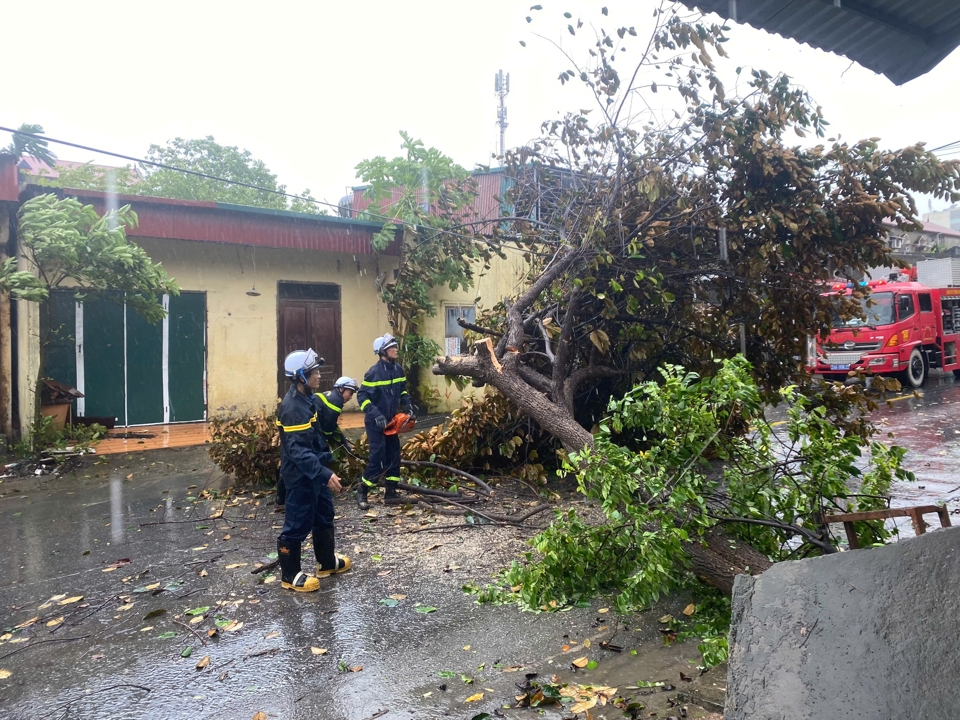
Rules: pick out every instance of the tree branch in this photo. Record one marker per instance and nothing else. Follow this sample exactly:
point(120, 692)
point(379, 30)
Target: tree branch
point(477, 329)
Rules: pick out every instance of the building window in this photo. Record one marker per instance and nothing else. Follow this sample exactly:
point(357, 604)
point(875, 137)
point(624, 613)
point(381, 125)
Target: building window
point(453, 334)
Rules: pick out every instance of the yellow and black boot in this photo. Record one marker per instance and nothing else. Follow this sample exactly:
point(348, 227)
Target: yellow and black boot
point(363, 487)
point(328, 562)
point(392, 497)
point(291, 576)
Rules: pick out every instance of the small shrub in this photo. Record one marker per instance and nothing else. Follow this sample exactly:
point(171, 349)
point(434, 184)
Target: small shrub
point(248, 447)
point(46, 436)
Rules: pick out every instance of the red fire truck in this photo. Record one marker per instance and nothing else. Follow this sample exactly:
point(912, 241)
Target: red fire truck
point(910, 324)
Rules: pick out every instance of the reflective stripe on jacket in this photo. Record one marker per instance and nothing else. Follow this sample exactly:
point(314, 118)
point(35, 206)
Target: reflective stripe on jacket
point(303, 451)
point(384, 390)
point(329, 405)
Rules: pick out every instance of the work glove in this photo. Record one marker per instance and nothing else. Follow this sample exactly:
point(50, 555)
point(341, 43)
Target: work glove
point(381, 422)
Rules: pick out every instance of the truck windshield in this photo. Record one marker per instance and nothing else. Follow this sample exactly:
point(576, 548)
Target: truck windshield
point(877, 310)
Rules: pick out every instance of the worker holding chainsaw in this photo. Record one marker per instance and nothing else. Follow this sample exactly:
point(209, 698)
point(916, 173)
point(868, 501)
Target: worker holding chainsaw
point(388, 411)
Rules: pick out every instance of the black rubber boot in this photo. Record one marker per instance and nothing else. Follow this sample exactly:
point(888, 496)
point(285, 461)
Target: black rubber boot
point(361, 495)
point(392, 497)
point(291, 577)
point(281, 493)
point(328, 562)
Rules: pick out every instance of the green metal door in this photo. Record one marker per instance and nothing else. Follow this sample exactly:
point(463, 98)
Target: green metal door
point(186, 357)
point(144, 370)
point(100, 355)
point(128, 369)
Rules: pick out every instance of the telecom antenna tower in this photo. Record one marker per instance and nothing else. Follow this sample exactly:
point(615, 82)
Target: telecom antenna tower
point(502, 85)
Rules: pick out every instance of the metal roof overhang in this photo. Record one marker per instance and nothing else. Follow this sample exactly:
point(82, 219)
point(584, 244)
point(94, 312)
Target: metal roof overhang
point(198, 221)
point(901, 39)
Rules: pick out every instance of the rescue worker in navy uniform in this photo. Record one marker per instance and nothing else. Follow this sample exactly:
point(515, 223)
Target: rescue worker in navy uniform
point(382, 394)
point(330, 405)
point(304, 457)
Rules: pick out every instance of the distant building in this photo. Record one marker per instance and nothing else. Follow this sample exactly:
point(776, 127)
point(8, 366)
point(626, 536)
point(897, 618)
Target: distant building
point(948, 218)
point(912, 245)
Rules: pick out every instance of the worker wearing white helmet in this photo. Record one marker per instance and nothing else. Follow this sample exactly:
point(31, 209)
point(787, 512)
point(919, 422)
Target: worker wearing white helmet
point(382, 393)
point(330, 405)
point(310, 483)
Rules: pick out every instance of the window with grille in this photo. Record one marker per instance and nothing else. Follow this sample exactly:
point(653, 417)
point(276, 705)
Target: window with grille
point(453, 335)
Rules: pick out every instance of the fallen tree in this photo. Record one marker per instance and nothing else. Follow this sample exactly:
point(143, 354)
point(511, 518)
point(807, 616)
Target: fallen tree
point(687, 240)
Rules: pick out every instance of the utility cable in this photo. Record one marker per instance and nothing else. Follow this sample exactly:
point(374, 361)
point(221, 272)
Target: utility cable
point(379, 216)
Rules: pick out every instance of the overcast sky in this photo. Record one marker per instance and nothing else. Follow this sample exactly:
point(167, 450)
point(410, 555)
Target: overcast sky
point(312, 88)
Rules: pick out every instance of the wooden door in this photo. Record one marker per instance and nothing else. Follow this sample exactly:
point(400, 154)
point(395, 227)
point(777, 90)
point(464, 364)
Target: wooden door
point(310, 324)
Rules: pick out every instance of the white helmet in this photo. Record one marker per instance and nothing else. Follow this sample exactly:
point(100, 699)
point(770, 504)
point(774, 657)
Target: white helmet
point(383, 343)
point(300, 363)
point(346, 383)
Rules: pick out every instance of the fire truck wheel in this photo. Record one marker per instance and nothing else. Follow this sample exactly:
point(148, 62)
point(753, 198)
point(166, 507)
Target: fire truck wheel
point(834, 377)
point(916, 373)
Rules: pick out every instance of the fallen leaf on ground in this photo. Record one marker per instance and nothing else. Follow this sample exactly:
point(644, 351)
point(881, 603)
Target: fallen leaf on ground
point(236, 565)
point(356, 668)
point(226, 537)
point(154, 613)
point(4, 674)
point(166, 635)
point(581, 662)
point(202, 573)
point(204, 661)
point(399, 597)
point(198, 610)
point(565, 648)
point(689, 609)
point(196, 620)
point(129, 476)
point(512, 668)
point(466, 647)
point(27, 623)
point(55, 621)
point(233, 627)
point(125, 607)
point(268, 636)
point(665, 619)
point(269, 579)
point(316, 650)
point(147, 628)
point(212, 632)
point(260, 716)
point(187, 652)
point(603, 610)
point(71, 600)
point(474, 698)
point(425, 609)
point(433, 547)
point(582, 706)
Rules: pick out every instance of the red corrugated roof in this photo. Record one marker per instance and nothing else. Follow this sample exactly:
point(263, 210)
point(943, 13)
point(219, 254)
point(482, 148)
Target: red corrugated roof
point(199, 221)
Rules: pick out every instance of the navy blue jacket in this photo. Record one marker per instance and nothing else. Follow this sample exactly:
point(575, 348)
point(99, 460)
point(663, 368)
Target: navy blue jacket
point(329, 405)
point(384, 390)
point(303, 451)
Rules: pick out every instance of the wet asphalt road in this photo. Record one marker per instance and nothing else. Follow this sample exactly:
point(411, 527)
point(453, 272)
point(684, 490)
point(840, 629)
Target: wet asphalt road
point(61, 535)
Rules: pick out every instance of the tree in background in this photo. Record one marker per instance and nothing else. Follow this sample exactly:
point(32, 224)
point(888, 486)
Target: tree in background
point(223, 161)
point(201, 156)
point(34, 147)
point(64, 243)
point(428, 196)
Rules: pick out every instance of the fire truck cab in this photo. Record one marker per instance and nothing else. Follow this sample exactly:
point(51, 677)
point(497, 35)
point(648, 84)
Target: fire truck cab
point(910, 325)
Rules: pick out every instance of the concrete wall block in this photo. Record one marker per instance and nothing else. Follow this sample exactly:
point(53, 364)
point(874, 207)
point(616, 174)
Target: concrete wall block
point(867, 634)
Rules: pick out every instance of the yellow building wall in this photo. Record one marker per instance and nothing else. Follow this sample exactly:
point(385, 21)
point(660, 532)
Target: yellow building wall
point(505, 278)
point(242, 330)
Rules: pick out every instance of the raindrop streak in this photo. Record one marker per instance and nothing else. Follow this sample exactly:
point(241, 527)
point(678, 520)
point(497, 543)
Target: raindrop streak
point(112, 205)
point(116, 512)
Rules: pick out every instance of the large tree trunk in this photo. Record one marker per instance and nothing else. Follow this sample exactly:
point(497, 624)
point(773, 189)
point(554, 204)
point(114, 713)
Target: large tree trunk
point(549, 401)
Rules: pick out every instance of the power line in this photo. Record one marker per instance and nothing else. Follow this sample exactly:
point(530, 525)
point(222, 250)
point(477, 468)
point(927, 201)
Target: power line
point(170, 167)
point(379, 216)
